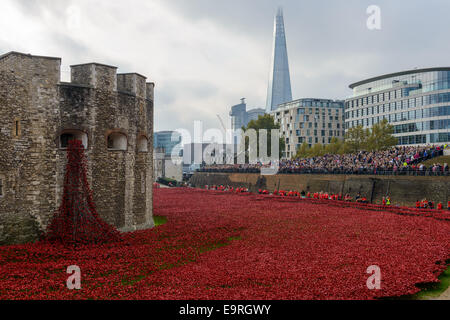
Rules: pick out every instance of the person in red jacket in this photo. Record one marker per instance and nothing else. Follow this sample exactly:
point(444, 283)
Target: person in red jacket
point(418, 204)
point(424, 204)
point(439, 206)
point(384, 202)
point(448, 206)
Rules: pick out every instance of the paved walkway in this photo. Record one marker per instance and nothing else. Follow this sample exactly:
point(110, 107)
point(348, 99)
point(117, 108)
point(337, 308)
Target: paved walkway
point(445, 295)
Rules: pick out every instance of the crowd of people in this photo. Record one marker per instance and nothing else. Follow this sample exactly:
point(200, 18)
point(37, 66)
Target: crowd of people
point(394, 161)
point(428, 204)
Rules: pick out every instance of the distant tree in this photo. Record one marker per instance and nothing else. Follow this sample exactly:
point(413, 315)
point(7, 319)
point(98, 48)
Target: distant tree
point(318, 150)
point(356, 138)
point(303, 152)
point(335, 147)
point(266, 122)
point(381, 137)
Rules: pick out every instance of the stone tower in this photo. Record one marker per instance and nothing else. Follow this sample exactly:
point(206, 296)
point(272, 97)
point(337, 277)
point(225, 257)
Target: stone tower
point(112, 114)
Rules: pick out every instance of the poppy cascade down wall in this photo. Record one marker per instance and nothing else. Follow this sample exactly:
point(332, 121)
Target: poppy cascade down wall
point(112, 114)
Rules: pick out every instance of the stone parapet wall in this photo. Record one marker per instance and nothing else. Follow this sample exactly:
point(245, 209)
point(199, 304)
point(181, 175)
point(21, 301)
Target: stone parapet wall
point(404, 190)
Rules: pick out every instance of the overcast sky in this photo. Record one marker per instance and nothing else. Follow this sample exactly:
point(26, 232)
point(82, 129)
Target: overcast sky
point(204, 55)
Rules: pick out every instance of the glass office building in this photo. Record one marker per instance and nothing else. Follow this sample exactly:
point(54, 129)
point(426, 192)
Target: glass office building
point(170, 141)
point(415, 102)
point(279, 90)
point(240, 117)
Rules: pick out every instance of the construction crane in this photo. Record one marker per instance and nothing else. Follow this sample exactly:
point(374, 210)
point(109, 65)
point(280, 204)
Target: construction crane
point(228, 158)
point(223, 124)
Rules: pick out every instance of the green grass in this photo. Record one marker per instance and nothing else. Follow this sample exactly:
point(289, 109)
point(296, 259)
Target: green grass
point(434, 290)
point(441, 160)
point(159, 221)
point(429, 290)
point(218, 245)
point(130, 281)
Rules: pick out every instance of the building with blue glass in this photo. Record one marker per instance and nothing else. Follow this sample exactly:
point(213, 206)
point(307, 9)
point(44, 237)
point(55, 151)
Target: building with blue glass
point(279, 90)
point(415, 102)
point(240, 117)
point(170, 141)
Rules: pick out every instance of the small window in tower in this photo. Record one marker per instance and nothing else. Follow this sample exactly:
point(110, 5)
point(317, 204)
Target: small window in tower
point(16, 128)
point(117, 142)
point(69, 135)
point(65, 138)
point(142, 144)
point(1, 188)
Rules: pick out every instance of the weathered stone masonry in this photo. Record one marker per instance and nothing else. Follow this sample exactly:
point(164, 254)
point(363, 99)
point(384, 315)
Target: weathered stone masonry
point(111, 113)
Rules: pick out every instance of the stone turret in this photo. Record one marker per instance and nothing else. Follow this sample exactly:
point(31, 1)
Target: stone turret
point(112, 114)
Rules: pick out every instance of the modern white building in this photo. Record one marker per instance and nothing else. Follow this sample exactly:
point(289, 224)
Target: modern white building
point(309, 120)
point(415, 102)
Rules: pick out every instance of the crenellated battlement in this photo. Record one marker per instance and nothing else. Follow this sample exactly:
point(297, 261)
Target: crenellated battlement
point(95, 75)
point(133, 83)
point(27, 66)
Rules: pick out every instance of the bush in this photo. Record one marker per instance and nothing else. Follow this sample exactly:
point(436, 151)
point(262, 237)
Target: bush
point(168, 181)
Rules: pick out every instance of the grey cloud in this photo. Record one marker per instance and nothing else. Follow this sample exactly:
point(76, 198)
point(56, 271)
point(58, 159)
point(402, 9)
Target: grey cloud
point(36, 7)
point(328, 42)
point(69, 44)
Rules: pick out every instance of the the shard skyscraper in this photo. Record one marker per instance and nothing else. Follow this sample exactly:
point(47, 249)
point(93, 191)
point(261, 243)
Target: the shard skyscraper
point(280, 81)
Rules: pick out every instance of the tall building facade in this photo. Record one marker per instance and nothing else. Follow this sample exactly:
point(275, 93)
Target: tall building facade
point(170, 141)
point(415, 102)
point(309, 120)
point(279, 90)
point(240, 117)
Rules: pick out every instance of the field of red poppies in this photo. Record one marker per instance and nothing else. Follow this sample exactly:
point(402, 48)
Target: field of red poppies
point(218, 245)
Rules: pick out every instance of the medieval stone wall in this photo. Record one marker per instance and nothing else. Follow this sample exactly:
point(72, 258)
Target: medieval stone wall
point(94, 105)
point(28, 99)
point(404, 190)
